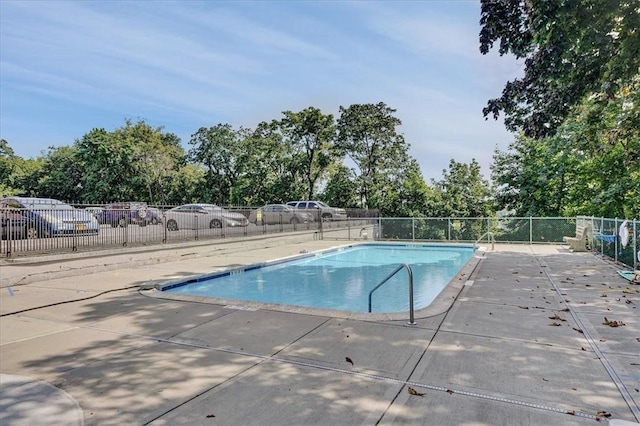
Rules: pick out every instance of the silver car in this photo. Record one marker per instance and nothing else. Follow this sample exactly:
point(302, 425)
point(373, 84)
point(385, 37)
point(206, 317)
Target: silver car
point(279, 214)
point(202, 216)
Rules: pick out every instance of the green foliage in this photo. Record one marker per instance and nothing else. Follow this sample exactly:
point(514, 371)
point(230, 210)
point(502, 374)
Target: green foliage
point(130, 163)
point(341, 188)
point(464, 192)
point(591, 166)
point(367, 135)
point(572, 49)
point(61, 175)
point(311, 136)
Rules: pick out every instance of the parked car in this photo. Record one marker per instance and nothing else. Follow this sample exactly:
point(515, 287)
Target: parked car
point(202, 216)
point(154, 216)
point(14, 224)
point(279, 214)
point(126, 213)
point(98, 213)
point(47, 217)
point(326, 212)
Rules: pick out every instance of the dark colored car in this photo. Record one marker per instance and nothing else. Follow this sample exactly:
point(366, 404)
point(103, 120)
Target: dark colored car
point(126, 213)
point(98, 212)
point(14, 224)
point(47, 217)
point(154, 216)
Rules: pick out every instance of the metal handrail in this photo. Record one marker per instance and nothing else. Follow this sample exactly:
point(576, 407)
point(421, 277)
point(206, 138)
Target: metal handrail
point(395, 271)
point(490, 239)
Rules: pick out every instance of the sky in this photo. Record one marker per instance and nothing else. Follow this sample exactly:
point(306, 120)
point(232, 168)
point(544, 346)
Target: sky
point(69, 67)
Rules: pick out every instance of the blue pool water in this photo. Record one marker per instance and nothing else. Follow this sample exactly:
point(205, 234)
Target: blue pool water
point(340, 279)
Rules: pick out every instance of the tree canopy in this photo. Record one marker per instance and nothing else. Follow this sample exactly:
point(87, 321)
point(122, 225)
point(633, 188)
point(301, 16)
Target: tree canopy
point(571, 49)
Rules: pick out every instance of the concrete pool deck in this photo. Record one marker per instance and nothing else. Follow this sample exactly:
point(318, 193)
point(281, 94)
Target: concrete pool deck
point(523, 340)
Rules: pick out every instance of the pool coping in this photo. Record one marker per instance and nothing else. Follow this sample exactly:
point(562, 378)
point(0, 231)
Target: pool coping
point(439, 305)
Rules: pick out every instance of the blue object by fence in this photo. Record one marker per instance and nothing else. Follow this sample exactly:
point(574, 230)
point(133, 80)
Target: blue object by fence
point(607, 238)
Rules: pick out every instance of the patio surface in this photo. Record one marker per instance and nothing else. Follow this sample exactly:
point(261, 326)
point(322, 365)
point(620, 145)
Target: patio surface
point(521, 341)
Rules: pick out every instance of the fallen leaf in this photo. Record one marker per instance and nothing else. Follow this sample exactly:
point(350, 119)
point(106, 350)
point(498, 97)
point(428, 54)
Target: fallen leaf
point(578, 330)
point(210, 415)
point(573, 413)
point(602, 413)
point(612, 323)
point(523, 307)
point(555, 324)
point(349, 360)
point(412, 391)
point(449, 391)
point(557, 317)
point(545, 380)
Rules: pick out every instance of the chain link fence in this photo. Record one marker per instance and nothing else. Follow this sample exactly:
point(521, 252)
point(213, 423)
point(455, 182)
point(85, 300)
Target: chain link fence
point(128, 228)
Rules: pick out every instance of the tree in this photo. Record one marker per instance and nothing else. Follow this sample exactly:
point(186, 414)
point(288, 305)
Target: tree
point(274, 171)
point(340, 189)
point(367, 135)
point(464, 191)
point(7, 166)
point(220, 149)
point(130, 163)
point(311, 134)
point(61, 175)
point(571, 49)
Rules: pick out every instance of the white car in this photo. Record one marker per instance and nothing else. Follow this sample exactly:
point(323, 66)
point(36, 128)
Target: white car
point(202, 216)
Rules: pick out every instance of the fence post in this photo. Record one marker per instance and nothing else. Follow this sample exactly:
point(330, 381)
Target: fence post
point(602, 232)
point(636, 252)
point(615, 232)
point(413, 229)
point(530, 229)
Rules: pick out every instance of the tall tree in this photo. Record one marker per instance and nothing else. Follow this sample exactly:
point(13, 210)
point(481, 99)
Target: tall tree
point(367, 134)
point(465, 192)
point(572, 48)
point(130, 163)
point(340, 189)
point(61, 176)
point(311, 135)
point(221, 150)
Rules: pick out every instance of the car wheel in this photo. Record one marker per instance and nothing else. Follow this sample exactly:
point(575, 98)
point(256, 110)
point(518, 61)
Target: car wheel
point(172, 225)
point(32, 232)
point(294, 220)
point(154, 221)
point(215, 223)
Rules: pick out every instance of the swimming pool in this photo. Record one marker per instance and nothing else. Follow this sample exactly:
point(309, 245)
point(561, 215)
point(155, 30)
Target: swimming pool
point(338, 279)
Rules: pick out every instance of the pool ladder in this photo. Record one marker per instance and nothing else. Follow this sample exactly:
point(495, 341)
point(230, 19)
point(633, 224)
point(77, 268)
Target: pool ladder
point(395, 271)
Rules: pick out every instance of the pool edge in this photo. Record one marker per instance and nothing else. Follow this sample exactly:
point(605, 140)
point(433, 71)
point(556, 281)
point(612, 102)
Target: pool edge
point(439, 305)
